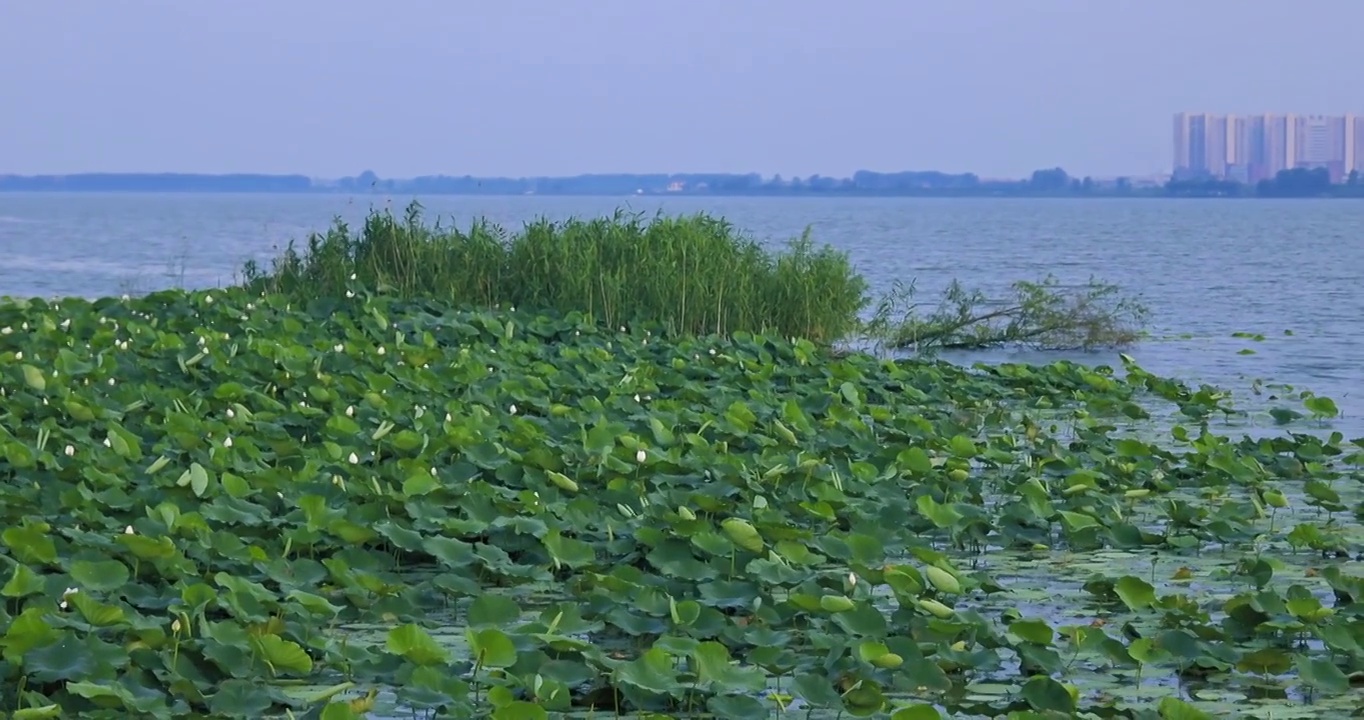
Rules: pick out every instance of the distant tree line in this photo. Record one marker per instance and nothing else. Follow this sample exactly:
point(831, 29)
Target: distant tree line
point(155, 182)
point(1295, 183)
point(1052, 182)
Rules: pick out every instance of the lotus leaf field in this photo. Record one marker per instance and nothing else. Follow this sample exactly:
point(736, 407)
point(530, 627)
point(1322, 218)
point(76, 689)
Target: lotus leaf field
point(218, 505)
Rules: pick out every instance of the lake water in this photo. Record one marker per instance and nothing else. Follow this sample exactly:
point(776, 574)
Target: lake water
point(1206, 269)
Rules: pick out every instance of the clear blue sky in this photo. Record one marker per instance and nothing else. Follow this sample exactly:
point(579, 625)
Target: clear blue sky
point(549, 87)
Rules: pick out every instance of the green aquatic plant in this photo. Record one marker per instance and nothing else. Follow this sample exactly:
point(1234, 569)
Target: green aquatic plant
point(226, 505)
point(693, 274)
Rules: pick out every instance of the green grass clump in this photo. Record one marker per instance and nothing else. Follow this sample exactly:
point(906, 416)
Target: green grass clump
point(693, 274)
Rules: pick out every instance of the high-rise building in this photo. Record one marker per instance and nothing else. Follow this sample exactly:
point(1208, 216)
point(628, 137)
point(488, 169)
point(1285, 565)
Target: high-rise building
point(1354, 144)
point(1250, 148)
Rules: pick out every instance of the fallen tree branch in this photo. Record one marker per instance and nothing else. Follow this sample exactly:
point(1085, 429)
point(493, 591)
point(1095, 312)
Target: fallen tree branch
point(1043, 315)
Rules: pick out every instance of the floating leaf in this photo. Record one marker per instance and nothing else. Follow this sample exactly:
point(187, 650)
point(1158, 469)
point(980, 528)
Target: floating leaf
point(283, 654)
point(100, 575)
point(415, 644)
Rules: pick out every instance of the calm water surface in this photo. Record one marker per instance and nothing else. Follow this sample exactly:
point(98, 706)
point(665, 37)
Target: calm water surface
point(1206, 269)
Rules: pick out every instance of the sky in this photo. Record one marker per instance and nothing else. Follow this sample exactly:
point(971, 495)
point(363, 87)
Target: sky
point(329, 88)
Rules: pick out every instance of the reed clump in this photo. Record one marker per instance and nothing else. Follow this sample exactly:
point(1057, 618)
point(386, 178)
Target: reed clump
point(693, 274)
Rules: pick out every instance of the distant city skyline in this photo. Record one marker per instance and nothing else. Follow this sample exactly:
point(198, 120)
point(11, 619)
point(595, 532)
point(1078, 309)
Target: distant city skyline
point(1254, 147)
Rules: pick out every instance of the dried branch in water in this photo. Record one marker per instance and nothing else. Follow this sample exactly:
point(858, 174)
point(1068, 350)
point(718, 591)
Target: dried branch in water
point(1043, 315)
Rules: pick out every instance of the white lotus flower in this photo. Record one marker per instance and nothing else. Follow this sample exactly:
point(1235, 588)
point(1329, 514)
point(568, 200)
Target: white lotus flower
point(381, 350)
point(6, 330)
point(712, 351)
point(636, 397)
point(66, 324)
point(19, 355)
point(108, 443)
point(175, 626)
point(448, 417)
point(111, 382)
point(513, 409)
point(230, 414)
point(227, 442)
point(352, 276)
point(70, 451)
point(208, 299)
point(353, 459)
point(641, 456)
point(129, 530)
point(350, 293)
point(339, 347)
point(350, 411)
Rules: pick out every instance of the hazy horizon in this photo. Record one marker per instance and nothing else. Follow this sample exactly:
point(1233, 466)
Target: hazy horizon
point(529, 88)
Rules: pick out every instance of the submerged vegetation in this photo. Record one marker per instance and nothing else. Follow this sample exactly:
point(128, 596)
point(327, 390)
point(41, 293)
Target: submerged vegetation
point(233, 505)
point(694, 274)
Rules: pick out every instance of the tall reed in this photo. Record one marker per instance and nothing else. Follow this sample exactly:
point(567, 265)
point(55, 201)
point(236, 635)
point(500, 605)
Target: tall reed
point(694, 274)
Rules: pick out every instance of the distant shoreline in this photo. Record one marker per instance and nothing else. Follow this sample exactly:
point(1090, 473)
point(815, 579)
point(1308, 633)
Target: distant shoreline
point(1053, 183)
point(814, 196)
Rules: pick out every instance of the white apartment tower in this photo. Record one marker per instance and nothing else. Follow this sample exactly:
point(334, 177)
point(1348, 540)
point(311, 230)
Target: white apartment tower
point(1250, 148)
